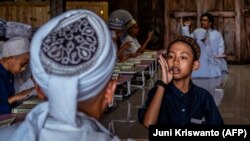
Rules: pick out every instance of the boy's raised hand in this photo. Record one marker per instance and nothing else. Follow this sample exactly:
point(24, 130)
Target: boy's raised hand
point(166, 73)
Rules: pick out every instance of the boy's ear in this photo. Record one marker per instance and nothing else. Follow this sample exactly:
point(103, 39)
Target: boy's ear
point(110, 90)
point(40, 93)
point(196, 65)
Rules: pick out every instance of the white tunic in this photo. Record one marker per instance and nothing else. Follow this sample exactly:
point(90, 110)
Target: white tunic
point(208, 67)
point(135, 45)
point(216, 42)
point(35, 129)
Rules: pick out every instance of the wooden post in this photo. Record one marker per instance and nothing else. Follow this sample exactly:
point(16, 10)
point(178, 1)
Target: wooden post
point(237, 29)
point(199, 12)
point(57, 7)
point(166, 23)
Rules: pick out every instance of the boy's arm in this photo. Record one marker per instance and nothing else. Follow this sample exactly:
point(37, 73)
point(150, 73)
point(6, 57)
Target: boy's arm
point(20, 96)
point(214, 116)
point(152, 112)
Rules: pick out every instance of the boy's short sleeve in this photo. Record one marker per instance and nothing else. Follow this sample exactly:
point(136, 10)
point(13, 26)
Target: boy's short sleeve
point(143, 109)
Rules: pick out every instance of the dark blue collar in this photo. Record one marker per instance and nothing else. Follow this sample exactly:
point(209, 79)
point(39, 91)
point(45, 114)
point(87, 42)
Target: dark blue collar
point(174, 90)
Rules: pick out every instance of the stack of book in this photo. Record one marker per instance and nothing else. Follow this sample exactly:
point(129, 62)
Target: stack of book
point(27, 105)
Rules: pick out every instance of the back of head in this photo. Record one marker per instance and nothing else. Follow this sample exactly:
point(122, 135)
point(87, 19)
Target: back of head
point(72, 59)
point(200, 34)
point(118, 18)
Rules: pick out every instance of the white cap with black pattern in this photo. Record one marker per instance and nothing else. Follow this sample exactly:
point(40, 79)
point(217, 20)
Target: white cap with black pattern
point(72, 59)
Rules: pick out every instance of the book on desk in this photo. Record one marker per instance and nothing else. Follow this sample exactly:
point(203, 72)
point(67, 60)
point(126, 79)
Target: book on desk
point(27, 105)
point(23, 108)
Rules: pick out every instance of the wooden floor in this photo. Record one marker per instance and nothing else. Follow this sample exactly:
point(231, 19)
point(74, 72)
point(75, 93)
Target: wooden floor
point(232, 96)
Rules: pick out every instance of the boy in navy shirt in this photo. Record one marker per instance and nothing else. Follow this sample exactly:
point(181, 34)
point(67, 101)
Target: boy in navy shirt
point(175, 100)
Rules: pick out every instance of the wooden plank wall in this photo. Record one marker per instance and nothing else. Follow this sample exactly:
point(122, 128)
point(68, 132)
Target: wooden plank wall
point(100, 8)
point(232, 17)
point(147, 13)
point(229, 20)
point(35, 13)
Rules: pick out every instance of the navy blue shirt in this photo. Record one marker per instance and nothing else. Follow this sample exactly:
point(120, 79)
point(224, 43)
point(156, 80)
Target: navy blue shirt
point(6, 90)
point(197, 106)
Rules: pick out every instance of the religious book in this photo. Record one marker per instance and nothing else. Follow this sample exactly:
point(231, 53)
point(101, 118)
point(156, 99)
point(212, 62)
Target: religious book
point(32, 100)
point(23, 108)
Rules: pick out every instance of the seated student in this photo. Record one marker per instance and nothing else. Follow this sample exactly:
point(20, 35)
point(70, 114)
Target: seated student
point(131, 36)
point(72, 61)
point(208, 67)
point(23, 80)
point(116, 23)
point(15, 57)
point(175, 100)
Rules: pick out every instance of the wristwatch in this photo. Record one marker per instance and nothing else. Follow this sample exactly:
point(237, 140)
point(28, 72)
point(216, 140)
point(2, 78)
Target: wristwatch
point(161, 83)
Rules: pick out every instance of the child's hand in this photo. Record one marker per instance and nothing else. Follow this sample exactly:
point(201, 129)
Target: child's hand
point(166, 74)
point(187, 23)
point(24, 94)
point(150, 35)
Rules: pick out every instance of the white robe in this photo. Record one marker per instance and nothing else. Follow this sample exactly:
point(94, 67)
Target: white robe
point(54, 130)
point(208, 67)
point(216, 42)
point(135, 45)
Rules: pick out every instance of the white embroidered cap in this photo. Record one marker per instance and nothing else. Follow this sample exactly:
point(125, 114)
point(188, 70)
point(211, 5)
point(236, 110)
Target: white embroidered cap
point(17, 29)
point(118, 18)
point(15, 46)
point(72, 59)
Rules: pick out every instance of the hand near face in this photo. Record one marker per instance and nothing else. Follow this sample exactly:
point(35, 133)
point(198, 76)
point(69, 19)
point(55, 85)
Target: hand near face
point(167, 74)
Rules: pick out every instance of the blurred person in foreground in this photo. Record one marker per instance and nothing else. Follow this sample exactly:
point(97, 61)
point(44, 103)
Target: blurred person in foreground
point(72, 61)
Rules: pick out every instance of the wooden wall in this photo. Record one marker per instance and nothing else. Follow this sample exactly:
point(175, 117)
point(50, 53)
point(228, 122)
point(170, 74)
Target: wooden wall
point(149, 14)
point(232, 18)
point(37, 12)
point(229, 20)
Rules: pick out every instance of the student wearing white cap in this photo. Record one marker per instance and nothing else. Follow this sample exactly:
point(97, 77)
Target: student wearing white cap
point(116, 24)
point(22, 81)
point(208, 67)
point(131, 36)
point(72, 62)
point(15, 57)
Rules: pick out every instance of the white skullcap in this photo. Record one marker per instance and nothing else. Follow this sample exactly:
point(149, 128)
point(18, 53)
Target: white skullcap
point(72, 59)
point(200, 34)
point(17, 29)
point(15, 46)
point(130, 23)
point(118, 18)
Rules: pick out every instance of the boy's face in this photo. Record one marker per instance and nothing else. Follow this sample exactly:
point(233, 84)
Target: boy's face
point(205, 23)
point(18, 63)
point(135, 30)
point(180, 60)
